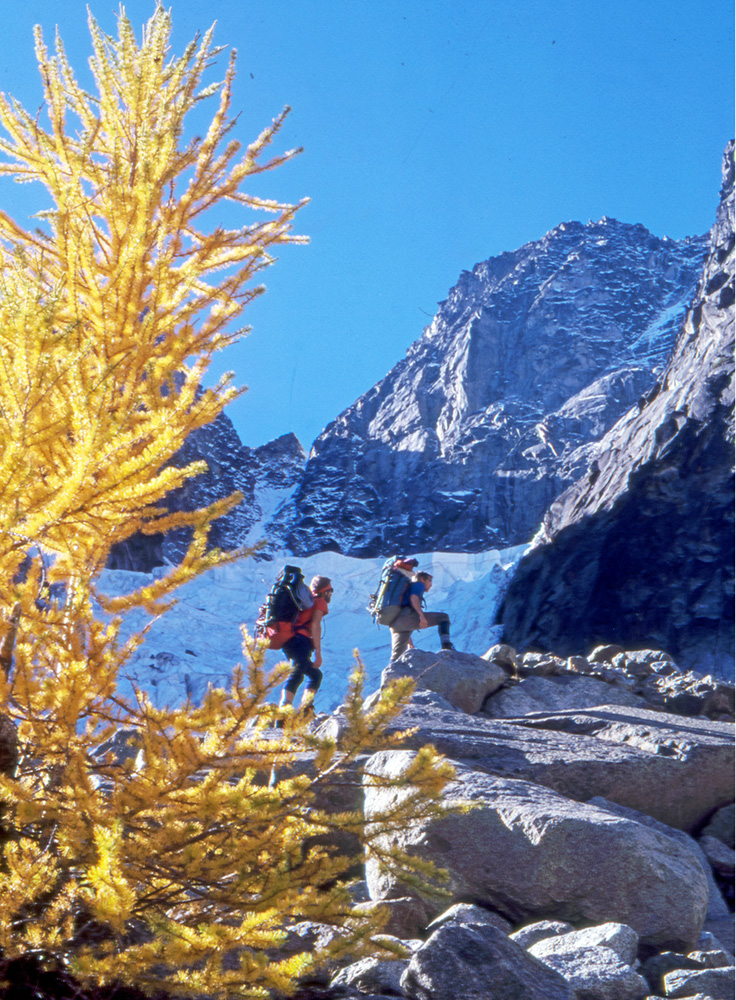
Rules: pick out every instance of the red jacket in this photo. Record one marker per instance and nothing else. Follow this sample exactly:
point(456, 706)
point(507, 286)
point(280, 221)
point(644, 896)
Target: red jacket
point(303, 624)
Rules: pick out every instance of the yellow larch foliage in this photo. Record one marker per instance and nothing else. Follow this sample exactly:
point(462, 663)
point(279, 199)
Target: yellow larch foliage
point(172, 848)
point(110, 316)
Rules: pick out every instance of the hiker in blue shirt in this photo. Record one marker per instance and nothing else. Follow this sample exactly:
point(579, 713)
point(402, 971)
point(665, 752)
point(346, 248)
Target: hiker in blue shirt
point(413, 616)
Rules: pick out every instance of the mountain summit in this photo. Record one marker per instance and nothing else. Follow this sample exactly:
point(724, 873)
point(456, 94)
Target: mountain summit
point(532, 357)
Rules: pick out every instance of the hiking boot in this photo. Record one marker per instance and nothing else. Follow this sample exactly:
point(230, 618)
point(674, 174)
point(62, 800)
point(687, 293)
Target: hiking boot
point(446, 645)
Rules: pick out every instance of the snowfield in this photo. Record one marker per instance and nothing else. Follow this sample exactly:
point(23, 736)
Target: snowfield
point(198, 642)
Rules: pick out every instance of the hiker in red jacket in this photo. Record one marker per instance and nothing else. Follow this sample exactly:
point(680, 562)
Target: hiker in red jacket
point(307, 639)
point(413, 616)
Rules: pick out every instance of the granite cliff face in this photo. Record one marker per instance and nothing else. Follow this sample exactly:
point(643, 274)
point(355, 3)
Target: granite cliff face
point(494, 410)
point(640, 549)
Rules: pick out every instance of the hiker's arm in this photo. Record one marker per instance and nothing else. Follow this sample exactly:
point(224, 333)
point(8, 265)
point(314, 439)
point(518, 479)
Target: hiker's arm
point(316, 630)
point(416, 603)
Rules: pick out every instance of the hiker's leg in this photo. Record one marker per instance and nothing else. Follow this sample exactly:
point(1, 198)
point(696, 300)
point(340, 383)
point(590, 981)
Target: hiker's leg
point(299, 650)
point(288, 692)
point(289, 689)
point(401, 629)
point(442, 621)
point(314, 679)
point(400, 642)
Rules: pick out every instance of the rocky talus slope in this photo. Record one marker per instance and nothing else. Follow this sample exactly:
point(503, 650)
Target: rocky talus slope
point(641, 548)
point(597, 860)
point(530, 359)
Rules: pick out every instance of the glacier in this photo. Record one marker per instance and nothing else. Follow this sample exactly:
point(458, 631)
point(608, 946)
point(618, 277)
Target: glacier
point(199, 641)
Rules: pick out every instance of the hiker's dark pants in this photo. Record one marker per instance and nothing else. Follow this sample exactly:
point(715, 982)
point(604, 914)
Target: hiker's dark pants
point(299, 650)
point(407, 621)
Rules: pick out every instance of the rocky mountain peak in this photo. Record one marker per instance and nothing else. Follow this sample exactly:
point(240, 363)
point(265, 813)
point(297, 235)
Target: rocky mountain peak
point(495, 410)
point(279, 463)
point(532, 355)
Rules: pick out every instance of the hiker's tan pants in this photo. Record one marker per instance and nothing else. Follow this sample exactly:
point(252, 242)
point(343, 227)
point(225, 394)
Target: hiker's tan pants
point(406, 622)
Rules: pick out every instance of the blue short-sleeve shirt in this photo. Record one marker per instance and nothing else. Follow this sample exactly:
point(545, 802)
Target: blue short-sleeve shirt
point(415, 587)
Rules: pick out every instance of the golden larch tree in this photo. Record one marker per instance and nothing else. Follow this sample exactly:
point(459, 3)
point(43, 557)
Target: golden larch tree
point(165, 848)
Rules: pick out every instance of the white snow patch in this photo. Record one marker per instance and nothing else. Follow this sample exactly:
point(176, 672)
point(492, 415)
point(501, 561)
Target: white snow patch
point(198, 642)
point(653, 332)
point(269, 500)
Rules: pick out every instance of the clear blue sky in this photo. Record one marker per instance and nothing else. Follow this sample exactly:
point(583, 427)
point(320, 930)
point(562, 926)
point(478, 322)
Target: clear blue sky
point(437, 133)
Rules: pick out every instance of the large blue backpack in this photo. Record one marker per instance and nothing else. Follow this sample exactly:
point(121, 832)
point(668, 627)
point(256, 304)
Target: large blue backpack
point(396, 574)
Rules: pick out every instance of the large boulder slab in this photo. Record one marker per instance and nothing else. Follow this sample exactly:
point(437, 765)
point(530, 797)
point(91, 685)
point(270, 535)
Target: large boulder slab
point(505, 656)
point(597, 974)
point(312, 937)
point(692, 996)
point(677, 770)
point(720, 857)
point(333, 791)
point(656, 967)
point(475, 962)
point(694, 748)
point(372, 975)
point(723, 929)
point(710, 945)
point(468, 913)
point(717, 906)
point(722, 825)
point(596, 961)
point(404, 918)
point(713, 959)
point(540, 930)
point(525, 851)
point(718, 984)
point(689, 694)
point(620, 938)
point(552, 694)
point(463, 679)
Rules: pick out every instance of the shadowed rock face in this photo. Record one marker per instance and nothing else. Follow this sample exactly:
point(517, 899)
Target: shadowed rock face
point(530, 359)
point(641, 548)
point(231, 466)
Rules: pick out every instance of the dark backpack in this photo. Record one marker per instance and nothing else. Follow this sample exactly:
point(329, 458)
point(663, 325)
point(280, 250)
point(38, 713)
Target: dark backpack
point(396, 574)
point(288, 597)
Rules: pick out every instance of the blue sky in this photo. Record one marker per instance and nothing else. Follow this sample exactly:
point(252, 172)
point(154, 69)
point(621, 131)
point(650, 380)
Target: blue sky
point(437, 133)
